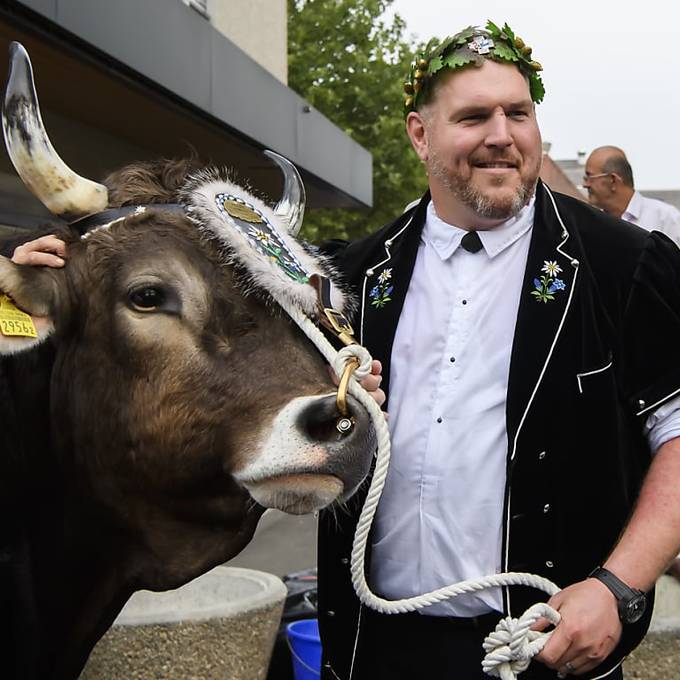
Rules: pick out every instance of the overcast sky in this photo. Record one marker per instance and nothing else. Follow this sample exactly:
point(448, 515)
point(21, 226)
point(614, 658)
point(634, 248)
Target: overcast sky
point(611, 72)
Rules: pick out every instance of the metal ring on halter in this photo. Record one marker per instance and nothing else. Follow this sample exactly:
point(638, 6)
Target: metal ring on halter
point(341, 399)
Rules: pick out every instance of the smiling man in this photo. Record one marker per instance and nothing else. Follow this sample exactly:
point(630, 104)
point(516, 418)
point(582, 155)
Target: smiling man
point(529, 347)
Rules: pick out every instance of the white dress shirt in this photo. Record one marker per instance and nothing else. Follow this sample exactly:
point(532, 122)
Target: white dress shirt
point(652, 214)
point(440, 517)
point(439, 520)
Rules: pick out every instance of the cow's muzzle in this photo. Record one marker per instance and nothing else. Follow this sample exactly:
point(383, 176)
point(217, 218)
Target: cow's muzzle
point(305, 463)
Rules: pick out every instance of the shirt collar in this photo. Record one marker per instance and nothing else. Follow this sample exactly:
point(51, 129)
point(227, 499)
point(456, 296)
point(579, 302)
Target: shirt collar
point(634, 207)
point(445, 238)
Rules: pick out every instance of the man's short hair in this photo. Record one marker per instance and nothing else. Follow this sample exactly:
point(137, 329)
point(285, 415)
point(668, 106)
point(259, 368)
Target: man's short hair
point(619, 164)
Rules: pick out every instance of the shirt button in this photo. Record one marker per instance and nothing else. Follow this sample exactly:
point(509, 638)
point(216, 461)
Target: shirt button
point(330, 613)
point(452, 359)
point(546, 508)
point(549, 564)
point(464, 302)
point(641, 403)
point(344, 560)
point(541, 455)
point(439, 420)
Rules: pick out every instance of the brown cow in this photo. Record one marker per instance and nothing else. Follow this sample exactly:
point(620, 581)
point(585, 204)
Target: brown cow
point(165, 391)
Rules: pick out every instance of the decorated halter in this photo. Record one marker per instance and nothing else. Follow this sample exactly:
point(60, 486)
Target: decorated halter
point(471, 46)
point(256, 238)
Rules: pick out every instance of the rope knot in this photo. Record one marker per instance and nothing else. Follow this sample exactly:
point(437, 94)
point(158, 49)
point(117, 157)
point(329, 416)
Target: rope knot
point(347, 354)
point(511, 646)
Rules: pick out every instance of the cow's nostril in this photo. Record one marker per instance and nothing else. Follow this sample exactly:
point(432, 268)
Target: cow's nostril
point(319, 421)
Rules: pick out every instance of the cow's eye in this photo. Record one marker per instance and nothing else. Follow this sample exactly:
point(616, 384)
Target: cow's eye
point(147, 299)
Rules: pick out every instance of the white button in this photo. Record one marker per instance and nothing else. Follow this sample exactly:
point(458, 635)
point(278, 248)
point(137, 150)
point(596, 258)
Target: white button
point(546, 508)
point(641, 403)
point(541, 455)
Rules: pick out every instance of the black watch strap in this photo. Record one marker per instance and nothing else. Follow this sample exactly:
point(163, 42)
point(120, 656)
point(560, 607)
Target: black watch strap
point(614, 583)
point(623, 593)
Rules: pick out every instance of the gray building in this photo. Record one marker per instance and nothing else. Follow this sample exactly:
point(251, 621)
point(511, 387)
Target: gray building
point(127, 80)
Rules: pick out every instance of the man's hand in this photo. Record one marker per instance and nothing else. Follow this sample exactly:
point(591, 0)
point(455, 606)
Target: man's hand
point(589, 630)
point(371, 383)
point(46, 251)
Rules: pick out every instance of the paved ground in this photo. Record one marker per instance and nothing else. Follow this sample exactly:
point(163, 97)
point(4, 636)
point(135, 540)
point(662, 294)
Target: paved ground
point(282, 544)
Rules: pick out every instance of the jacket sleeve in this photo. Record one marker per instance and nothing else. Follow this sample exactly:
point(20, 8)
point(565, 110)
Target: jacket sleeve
point(651, 328)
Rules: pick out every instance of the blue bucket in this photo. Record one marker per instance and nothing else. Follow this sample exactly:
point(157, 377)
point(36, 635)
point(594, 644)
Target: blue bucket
point(305, 648)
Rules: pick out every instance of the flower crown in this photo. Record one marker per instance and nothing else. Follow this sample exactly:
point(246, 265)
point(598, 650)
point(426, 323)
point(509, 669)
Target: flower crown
point(472, 45)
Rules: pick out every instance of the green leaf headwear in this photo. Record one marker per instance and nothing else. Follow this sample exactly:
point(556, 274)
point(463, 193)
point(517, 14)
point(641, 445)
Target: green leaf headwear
point(471, 46)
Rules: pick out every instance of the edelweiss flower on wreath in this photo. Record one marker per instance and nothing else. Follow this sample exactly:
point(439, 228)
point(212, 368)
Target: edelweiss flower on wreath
point(380, 293)
point(549, 283)
point(472, 46)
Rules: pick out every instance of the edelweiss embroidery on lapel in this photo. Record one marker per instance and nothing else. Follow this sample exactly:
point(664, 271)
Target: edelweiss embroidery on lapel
point(548, 283)
point(380, 294)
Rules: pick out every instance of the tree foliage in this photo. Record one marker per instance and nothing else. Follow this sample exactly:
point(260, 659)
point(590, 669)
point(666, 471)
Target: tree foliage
point(349, 62)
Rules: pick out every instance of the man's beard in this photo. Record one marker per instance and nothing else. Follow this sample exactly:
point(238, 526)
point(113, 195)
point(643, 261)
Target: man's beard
point(473, 198)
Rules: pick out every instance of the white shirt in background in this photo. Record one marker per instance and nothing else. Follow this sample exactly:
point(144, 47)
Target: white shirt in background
point(654, 215)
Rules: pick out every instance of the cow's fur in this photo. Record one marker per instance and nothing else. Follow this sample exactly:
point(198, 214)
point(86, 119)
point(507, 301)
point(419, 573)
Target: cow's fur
point(127, 431)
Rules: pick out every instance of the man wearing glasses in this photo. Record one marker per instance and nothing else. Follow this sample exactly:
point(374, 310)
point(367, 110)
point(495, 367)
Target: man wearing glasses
point(609, 181)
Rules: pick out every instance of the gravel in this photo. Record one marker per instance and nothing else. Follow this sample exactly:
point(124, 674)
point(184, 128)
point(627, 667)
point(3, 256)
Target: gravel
point(657, 658)
point(237, 648)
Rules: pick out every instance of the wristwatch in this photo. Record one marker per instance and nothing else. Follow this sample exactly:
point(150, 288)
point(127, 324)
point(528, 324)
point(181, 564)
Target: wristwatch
point(630, 601)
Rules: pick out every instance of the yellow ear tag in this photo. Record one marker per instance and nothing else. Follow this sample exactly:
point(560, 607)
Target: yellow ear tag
point(15, 322)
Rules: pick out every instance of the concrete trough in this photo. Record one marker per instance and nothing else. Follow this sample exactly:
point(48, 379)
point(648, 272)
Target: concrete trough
point(221, 626)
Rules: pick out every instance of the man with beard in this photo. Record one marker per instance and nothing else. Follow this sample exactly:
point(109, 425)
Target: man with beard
point(529, 348)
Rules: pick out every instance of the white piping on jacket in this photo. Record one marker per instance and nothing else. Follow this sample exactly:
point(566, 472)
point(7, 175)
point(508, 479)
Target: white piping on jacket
point(587, 373)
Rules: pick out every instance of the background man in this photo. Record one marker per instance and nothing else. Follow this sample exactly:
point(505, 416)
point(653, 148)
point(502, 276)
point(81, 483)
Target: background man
point(608, 179)
point(529, 345)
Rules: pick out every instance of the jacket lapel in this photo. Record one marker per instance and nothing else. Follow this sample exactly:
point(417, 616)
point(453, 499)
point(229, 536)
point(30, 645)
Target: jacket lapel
point(544, 304)
point(388, 276)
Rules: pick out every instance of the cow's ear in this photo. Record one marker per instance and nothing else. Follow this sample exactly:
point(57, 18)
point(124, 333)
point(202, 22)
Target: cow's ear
point(34, 291)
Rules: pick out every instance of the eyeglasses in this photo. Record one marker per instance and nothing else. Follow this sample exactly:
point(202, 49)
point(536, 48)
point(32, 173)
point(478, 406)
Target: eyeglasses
point(589, 178)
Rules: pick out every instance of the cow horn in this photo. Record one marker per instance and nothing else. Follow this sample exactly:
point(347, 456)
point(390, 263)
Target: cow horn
point(61, 190)
point(291, 207)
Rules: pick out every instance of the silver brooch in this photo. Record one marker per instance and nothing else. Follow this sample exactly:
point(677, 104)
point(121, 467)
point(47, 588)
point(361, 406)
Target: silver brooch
point(481, 44)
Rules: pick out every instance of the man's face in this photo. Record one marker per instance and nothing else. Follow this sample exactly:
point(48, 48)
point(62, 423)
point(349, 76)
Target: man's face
point(596, 182)
point(480, 142)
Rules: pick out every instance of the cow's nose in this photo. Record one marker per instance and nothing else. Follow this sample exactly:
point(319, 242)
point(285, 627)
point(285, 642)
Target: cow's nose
point(349, 453)
point(320, 417)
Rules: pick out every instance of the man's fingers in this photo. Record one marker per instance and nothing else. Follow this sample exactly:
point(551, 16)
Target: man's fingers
point(371, 382)
point(555, 650)
point(541, 624)
point(38, 259)
point(579, 665)
point(46, 251)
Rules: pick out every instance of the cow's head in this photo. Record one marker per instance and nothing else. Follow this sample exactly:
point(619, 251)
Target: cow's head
point(179, 385)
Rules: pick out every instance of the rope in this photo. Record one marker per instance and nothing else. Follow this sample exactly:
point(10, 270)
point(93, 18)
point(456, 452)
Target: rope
point(511, 646)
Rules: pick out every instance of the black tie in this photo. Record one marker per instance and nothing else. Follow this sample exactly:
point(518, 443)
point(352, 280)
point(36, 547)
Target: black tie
point(471, 242)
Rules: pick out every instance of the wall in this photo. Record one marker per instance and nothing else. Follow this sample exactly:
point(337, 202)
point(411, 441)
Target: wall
point(258, 27)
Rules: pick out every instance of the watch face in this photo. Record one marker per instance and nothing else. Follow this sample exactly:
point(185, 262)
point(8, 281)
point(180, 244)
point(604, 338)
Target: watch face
point(635, 608)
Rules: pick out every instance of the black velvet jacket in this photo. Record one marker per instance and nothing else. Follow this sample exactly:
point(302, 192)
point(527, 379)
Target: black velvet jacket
point(587, 368)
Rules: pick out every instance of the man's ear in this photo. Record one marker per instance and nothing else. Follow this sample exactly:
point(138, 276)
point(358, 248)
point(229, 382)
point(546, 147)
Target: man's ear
point(34, 291)
point(417, 133)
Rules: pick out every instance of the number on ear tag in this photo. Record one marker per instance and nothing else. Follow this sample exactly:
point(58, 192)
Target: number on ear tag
point(15, 322)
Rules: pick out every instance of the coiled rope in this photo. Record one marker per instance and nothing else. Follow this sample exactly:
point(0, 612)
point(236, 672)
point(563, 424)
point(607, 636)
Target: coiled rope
point(511, 646)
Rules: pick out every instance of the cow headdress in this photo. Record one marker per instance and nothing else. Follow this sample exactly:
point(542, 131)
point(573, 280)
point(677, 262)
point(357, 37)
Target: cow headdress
point(258, 238)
